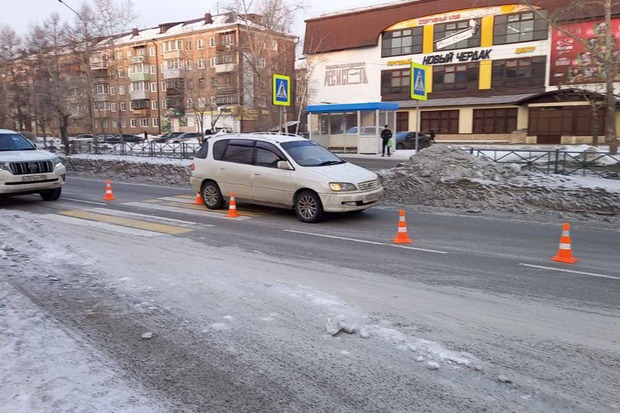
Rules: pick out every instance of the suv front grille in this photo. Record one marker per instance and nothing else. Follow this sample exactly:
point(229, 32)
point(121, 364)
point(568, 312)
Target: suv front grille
point(25, 168)
point(367, 185)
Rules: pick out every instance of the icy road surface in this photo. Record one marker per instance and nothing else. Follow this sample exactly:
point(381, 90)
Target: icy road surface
point(99, 320)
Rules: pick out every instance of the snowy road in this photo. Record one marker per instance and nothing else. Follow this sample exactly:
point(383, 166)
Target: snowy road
point(112, 316)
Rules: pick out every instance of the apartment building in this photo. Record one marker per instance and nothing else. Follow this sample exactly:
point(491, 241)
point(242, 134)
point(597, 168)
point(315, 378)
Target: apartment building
point(209, 73)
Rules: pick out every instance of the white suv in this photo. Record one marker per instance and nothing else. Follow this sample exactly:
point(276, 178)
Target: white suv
point(24, 169)
point(283, 171)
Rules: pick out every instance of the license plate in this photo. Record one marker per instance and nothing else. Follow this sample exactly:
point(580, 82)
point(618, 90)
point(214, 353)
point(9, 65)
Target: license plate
point(371, 198)
point(32, 178)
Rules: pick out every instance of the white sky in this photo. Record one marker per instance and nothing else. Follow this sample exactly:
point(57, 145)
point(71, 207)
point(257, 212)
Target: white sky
point(20, 15)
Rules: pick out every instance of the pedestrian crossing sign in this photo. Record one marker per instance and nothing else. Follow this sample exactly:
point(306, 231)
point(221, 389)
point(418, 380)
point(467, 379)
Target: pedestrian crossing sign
point(281, 90)
point(418, 81)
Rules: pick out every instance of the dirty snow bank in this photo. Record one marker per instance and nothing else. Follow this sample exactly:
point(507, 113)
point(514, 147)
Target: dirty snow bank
point(444, 176)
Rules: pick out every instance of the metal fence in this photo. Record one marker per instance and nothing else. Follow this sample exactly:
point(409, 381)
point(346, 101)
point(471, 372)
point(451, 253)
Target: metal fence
point(556, 161)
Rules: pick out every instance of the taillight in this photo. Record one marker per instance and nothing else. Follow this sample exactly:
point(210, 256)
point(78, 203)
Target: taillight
point(192, 167)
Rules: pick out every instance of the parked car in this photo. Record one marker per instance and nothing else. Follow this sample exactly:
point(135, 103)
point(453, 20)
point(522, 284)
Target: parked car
point(281, 170)
point(83, 137)
point(125, 137)
point(406, 140)
point(365, 131)
point(164, 137)
point(24, 169)
point(187, 137)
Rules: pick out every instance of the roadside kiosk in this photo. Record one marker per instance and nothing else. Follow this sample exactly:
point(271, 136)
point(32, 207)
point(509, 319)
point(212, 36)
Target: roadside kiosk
point(351, 127)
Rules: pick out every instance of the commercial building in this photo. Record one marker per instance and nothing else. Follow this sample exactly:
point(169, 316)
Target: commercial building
point(497, 70)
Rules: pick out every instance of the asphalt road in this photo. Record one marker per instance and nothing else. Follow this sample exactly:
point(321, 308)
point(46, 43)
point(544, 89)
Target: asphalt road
point(473, 283)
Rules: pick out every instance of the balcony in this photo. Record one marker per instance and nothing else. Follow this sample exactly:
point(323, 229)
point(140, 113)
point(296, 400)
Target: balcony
point(139, 94)
point(141, 112)
point(172, 54)
point(139, 76)
point(226, 99)
point(138, 59)
point(225, 67)
point(98, 62)
point(174, 73)
point(101, 98)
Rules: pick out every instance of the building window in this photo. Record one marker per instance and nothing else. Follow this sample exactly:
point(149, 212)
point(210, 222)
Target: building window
point(274, 45)
point(212, 42)
point(153, 70)
point(112, 90)
point(144, 122)
point(202, 83)
point(123, 106)
point(113, 107)
point(132, 123)
point(129, 53)
point(155, 122)
point(139, 104)
point(153, 87)
point(200, 64)
point(213, 61)
point(163, 86)
point(513, 73)
point(444, 31)
point(441, 121)
point(395, 82)
point(121, 90)
point(121, 73)
point(101, 89)
point(152, 51)
point(119, 55)
point(519, 27)
point(140, 51)
point(188, 45)
point(200, 44)
point(153, 104)
point(402, 42)
point(455, 77)
point(172, 45)
point(164, 104)
point(261, 62)
point(495, 120)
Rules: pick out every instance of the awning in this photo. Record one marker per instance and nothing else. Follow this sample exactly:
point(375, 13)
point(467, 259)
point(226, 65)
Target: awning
point(353, 107)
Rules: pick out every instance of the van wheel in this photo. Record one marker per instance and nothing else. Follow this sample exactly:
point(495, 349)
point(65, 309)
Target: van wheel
point(308, 207)
point(51, 194)
point(212, 196)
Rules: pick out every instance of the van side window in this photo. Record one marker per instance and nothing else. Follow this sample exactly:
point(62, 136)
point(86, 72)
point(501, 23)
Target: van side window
point(203, 151)
point(268, 155)
point(239, 151)
point(219, 148)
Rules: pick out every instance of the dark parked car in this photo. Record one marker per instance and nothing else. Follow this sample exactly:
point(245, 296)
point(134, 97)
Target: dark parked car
point(185, 137)
point(166, 136)
point(406, 140)
point(125, 138)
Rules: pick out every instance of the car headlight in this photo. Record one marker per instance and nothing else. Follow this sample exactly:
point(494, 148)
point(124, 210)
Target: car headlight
point(57, 162)
point(4, 166)
point(342, 186)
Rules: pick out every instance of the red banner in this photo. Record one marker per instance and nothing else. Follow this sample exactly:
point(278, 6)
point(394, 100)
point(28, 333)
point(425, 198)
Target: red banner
point(572, 62)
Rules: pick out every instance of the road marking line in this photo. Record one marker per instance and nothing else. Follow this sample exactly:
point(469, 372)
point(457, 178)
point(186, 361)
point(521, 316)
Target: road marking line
point(184, 210)
point(132, 223)
point(102, 225)
point(571, 271)
point(189, 202)
point(81, 200)
point(145, 216)
point(365, 241)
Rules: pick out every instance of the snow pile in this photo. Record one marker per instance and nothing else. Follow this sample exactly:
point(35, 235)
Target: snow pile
point(445, 176)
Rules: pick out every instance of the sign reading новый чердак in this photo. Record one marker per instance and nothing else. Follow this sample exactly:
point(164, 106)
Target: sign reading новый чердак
point(281, 90)
point(418, 81)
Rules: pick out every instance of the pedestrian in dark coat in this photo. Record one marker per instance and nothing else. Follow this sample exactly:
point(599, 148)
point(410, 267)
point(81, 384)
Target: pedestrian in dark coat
point(386, 135)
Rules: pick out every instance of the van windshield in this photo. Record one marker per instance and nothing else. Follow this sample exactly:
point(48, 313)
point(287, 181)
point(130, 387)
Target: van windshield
point(309, 153)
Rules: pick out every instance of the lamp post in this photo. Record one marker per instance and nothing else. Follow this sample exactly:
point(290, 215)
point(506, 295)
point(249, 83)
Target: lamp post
point(158, 86)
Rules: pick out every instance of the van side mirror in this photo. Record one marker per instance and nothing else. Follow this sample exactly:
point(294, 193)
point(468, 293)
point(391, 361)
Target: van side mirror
point(284, 165)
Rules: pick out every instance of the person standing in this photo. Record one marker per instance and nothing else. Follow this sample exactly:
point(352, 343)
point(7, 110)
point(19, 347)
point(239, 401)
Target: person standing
point(386, 135)
point(432, 136)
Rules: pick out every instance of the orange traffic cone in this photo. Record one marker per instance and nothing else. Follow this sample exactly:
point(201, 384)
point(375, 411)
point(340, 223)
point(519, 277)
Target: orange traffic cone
point(109, 196)
point(565, 253)
point(232, 208)
point(402, 237)
point(198, 200)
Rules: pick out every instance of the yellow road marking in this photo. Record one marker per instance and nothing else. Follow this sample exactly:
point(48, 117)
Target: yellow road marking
point(126, 222)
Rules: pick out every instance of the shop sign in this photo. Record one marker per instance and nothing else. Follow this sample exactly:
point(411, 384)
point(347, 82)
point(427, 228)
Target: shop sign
point(346, 74)
point(399, 62)
point(572, 62)
point(521, 50)
point(459, 57)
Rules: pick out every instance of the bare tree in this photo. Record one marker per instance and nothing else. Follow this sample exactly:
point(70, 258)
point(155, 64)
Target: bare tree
point(15, 78)
point(605, 55)
point(264, 49)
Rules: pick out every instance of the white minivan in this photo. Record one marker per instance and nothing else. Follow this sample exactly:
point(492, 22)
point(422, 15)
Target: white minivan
point(283, 171)
point(24, 169)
